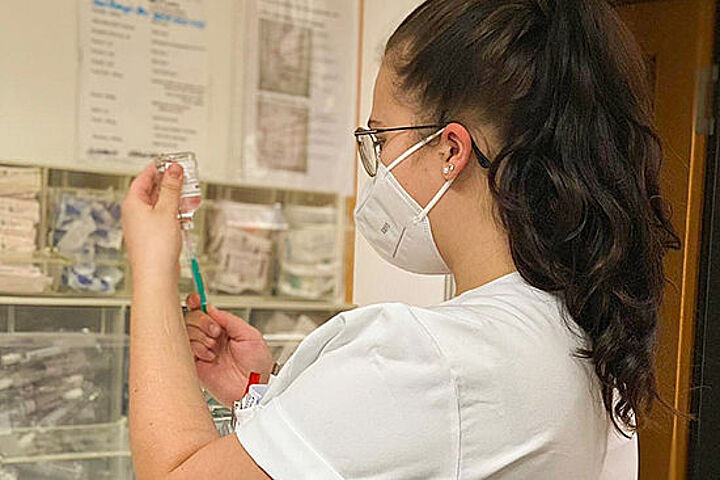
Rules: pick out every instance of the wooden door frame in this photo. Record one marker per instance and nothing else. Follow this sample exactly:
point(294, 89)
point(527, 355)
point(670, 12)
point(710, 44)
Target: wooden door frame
point(664, 442)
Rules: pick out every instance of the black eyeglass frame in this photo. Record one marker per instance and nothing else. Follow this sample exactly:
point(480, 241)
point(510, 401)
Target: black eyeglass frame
point(482, 159)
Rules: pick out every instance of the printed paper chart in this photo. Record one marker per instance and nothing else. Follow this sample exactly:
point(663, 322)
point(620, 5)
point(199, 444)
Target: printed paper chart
point(294, 108)
point(143, 79)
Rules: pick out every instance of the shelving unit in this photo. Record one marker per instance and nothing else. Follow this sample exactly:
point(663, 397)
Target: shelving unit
point(83, 434)
point(60, 313)
point(112, 447)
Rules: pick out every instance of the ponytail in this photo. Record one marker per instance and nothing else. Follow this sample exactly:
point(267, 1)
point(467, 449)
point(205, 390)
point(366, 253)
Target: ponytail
point(576, 184)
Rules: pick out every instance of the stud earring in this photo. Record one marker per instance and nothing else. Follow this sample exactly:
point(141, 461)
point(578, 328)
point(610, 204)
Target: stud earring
point(449, 169)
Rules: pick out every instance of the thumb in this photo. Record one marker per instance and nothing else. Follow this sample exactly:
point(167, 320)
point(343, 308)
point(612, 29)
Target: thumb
point(193, 301)
point(236, 327)
point(170, 189)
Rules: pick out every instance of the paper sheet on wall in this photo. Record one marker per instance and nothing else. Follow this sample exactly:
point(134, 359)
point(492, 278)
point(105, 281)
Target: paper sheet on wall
point(295, 106)
point(143, 79)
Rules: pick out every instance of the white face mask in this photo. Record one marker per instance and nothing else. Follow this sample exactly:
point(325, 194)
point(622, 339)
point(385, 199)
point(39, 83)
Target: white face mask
point(395, 225)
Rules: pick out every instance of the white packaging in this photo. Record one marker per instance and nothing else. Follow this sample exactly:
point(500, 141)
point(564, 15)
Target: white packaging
point(23, 279)
point(241, 241)
point(20, 207)
point(309, 253)
point(11, 222)
point(307, 281)
point(250, 215)
point(22, 233)
point(280, 322)
point(301, 215)
point(254, 395)
point(20, 181)
point(87, 229)
point(17, 244)
point(244, 262)
point(310, 244)
point(77, 233)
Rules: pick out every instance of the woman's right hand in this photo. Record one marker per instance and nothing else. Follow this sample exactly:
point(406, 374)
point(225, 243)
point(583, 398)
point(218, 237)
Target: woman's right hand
point(227, 349)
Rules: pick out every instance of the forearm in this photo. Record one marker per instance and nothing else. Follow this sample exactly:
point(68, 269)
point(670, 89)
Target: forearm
point(169, 420)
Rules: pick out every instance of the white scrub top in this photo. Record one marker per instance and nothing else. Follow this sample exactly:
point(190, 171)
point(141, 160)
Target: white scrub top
point(482, 386)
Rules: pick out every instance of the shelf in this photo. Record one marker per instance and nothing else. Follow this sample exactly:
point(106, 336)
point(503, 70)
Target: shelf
point(275, 303)
point(108, 169)
point(65, 301)
point(59, 457)
point(132, 171)
point(68, 339)
point(220, 301)
point(112, 441)
point(59, 178)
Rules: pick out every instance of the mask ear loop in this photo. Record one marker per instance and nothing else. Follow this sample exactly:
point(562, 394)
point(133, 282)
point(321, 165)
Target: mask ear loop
point(425, 211)
point(442, 190)
point(414, 149)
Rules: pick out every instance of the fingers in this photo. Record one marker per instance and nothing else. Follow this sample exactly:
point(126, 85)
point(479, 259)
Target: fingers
point(197, 335)
point(202, 322)
point(236, 327)
point(193, 301)
point(143, 185)
point(201, 352)
point(170, 189)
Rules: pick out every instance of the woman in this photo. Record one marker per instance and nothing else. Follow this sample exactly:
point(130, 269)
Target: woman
point(512, 145)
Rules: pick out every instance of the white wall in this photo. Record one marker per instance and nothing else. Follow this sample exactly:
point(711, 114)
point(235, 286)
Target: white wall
point(38, 55)
point(376, 280)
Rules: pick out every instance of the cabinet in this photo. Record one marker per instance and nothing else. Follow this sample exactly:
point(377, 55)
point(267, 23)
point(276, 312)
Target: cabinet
point(64, 342)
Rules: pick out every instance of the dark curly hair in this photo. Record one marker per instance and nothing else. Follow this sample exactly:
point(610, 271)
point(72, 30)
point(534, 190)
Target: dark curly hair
point(575, 182)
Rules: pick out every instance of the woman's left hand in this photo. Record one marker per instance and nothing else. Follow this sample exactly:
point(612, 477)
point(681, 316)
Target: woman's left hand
point(150, 224)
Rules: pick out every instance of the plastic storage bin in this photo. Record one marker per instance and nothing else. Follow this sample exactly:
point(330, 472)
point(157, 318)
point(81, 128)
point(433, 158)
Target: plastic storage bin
point(85, 229)
point(97, 469)
point(309, 254)
point(61, 393)
point(241, 243)
point(20, 216)
point(22, 277)
point(56, 379)
point(83, 453)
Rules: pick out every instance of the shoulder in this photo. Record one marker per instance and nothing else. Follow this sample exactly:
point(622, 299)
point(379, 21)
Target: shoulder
point(380, 315)
point(368, 389)
point(383, 337)
point(376, 325)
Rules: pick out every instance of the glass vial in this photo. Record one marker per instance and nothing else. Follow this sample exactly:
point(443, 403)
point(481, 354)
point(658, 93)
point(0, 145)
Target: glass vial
point(191, 196)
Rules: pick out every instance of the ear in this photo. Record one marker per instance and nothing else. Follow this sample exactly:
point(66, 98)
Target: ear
point(458, 150)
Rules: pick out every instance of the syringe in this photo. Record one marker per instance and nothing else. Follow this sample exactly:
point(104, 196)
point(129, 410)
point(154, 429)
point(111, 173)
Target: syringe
point(195, 268)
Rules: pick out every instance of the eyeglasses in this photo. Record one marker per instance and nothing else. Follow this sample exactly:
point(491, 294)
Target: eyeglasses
point(369, 146)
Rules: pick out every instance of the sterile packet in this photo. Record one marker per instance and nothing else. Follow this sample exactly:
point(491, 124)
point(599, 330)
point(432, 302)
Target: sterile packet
point(242, 241)
point(309, 252)
point(88, 231)
point(24, 182)
point(20, 208)
point(23, 279)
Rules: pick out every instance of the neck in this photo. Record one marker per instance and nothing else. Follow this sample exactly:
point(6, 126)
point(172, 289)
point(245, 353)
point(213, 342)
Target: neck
point(468, 276)
point(479, 256)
